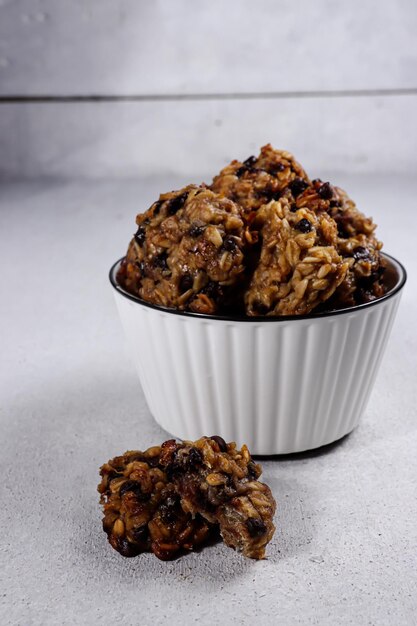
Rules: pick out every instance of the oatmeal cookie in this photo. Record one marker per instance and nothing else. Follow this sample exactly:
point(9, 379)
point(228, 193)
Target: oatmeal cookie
point(299, 266)
point(258, 180)
point(262, 240)
point(187, 252)
point(174, 498)
point(142, 511)
point(356, 243)
point(220, 483)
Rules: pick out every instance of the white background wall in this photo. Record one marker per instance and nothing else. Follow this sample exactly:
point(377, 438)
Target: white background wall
point(185, 85)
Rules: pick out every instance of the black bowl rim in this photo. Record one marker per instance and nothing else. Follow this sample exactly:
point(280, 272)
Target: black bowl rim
point(283, 318)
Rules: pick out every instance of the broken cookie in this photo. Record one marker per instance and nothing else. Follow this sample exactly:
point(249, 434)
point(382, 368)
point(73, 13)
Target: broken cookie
point(174, 498)
point(220, 482)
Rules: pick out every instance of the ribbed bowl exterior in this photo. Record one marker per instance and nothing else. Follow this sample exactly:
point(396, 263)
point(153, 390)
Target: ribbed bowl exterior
point(279, 386)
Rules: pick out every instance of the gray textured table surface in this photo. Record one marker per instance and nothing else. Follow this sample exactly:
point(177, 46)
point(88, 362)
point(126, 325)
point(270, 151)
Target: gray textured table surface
point(345, 549)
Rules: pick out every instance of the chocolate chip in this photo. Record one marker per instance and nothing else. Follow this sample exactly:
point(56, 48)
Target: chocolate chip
point(274, 195)
point(194, 458)
point(142, 267)
point(297, 186)
point(253, 472)
point(335, 203)
point(250, 161)
point(260, 307)
point(169, 508)
point(241, 171)
point(341, 230)
point(176, 203)
point(157, 207)
point(213, 290)
point(255, 526)
point(161, 261)
point(304, 226)
point(125, 548)
point(134, 487)
point(184, 462)
point(325, 191)
point(276, 167)
point(186, 282)
point(360, 253)
point(196, 230)
point(229, 243)
point(140, 236)
point(113, 474)
point(140, 534)
point(220, 442)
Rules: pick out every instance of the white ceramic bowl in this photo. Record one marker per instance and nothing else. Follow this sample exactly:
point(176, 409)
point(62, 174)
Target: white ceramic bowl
point(280, 385)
